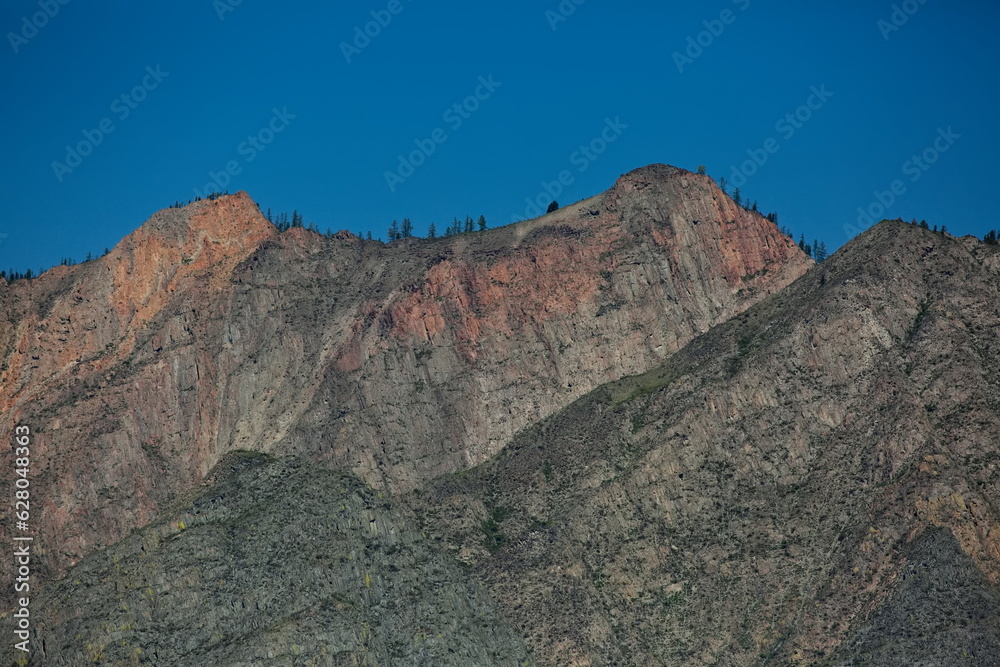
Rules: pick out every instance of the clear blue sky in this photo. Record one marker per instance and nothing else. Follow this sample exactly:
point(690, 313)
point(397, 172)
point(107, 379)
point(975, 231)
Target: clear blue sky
point(224, 77)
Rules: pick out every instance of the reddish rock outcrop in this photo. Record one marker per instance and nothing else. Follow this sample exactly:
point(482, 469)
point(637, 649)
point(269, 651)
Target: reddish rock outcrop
point(207, 331)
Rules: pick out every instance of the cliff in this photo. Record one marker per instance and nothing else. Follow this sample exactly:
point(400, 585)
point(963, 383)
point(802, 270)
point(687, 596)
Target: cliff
point(813, 482)
point(206, 331)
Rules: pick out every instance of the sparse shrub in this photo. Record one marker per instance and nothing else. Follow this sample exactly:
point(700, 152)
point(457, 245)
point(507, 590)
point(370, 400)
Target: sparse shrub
point(493, 539)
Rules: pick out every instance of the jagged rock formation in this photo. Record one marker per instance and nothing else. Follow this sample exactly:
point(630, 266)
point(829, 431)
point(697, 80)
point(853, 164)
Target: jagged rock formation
point(813, 481)
point(206, 331)
point(768, 495)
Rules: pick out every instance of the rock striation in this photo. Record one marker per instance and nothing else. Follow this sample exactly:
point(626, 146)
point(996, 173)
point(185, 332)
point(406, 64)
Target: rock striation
point(207, 331)
point(813, 482)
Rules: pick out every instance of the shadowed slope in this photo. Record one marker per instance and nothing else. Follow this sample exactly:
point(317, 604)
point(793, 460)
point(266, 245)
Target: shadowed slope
point(277, 563)
point(753, 500)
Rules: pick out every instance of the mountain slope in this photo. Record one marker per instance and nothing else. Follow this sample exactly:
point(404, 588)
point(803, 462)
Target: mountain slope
point(814, 481)
point(279, 563)
point(942, 612)
point(206, 331)
point(759, 499)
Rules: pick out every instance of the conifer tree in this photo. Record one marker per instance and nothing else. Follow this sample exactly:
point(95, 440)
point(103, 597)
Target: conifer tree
point(806, 248)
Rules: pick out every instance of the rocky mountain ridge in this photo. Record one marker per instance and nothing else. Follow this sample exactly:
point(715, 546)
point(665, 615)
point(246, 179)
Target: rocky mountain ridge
point(784, 490)
point(813, 481)
point(206, 331)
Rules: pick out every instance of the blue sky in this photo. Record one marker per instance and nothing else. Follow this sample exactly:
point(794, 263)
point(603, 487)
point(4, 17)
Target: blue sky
point(216, 79)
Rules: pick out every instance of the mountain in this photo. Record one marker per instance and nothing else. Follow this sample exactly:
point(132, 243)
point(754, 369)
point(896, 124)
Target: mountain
point(801, 472)
point(206, 331)
point(815, 481)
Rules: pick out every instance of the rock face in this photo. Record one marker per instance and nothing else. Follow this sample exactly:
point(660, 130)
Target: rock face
point(813, 481)
point(796, 486)
point(207, 331)
point(275, 563)
point(941, 602)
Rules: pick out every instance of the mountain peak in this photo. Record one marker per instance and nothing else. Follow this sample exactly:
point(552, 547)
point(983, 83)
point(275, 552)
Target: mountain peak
point(177, 248)
point(675, 184)
point(653, 172)
point(226, 217)
point(516, 320)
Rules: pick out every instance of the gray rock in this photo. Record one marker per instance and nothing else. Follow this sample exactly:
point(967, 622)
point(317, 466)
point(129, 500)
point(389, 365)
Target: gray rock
point(275, 563)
